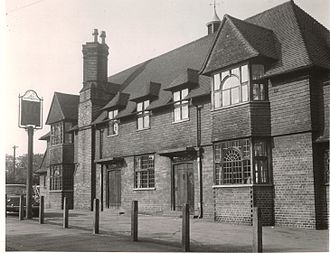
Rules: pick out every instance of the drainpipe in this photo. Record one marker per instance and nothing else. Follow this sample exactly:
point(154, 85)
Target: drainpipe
point(199, 158)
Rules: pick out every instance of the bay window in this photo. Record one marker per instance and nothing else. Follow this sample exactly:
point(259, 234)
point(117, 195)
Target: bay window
point(233, 160)
point(56, 133)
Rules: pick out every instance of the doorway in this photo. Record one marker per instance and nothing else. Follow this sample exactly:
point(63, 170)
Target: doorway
point(114, 188)
point(183, 186)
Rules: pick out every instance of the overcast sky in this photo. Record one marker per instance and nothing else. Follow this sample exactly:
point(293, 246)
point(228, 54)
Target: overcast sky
point(42, 43)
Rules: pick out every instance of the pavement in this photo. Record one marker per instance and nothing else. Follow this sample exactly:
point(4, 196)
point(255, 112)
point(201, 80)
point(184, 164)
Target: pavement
point(156, 233)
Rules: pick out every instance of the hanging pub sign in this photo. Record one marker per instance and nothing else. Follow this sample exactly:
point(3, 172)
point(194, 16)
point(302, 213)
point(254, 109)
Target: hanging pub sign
point(30, 110)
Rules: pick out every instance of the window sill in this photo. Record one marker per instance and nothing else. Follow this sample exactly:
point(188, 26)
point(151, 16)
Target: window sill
point(55, 191)
point(240, 185)
point(142, 129)
point(180, 121)
point(145, 189)
point(112, 135)
point(229, 106)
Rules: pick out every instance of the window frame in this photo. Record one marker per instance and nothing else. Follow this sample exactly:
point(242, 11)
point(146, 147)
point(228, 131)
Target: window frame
point(179, 104)
point(56, 182)
point(143, 114)
point(111, 129)
point(57, 131)
point(140, 168)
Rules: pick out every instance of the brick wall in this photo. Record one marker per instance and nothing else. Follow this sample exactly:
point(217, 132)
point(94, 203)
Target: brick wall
point(55, 200)
point(263, 197)
point(82, 177)
point(293, 180)
point(208, 198)
point(233, 204)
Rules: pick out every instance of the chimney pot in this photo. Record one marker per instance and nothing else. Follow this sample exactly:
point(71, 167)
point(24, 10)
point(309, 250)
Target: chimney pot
point(103, 36)
point(95, 34)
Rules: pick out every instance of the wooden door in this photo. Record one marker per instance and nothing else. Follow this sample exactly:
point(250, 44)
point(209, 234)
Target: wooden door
point(114, 188)
point(184, 185)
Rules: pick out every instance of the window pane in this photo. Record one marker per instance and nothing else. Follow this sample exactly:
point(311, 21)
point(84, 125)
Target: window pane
point(216, 99)
point(185, 111)
point(235, 95)
point(176, 96)
point(177, 112)
point(184, 93)
point(224, 74)
point(115, 113)
point(146, 104)
point(244, 73)
point(257, 71)
point(230, 82)
point(226, 97)
point(260, 148)
point(140, 122)
point(216, 80)
point(236, 72)
point(146, 121)
point(245, 93)
point(139, 107)
point(115, 128)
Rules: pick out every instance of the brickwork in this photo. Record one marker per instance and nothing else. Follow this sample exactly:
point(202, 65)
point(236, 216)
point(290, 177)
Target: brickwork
point(294, 180)
point(55, 200)
point(263, 197)
point(82, 177)
point(233, 204)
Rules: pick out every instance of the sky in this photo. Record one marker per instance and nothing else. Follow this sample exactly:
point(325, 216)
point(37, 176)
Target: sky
point(42, 40)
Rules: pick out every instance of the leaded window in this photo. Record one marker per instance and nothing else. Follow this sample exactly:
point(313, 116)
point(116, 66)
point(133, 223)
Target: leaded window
point(56, 133)
point(181, 105)
point(144, 171)
point(232, 162)
point(258, 85)
point(143, 116)
point(113, 126)
point(56, 174)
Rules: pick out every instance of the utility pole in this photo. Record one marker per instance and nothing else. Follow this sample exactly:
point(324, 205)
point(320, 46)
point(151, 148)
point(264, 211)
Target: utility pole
point(14, 162)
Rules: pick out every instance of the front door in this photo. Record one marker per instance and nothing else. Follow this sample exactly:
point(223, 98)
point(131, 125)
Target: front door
point(183, 185)
point(114, 188)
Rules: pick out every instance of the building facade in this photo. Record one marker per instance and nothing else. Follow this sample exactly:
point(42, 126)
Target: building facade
point(236, 119)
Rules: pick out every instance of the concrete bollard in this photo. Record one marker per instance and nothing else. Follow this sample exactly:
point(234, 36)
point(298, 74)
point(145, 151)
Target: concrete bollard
point(185, 228)
point(96, 220)
point(21, 208)
point(65, 213)
point(41, 210)
point(257, 230)
point(134, 221)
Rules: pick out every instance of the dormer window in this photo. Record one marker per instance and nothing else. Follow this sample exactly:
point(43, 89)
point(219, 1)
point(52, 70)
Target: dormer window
point(143, 116)
point(181, 105)
point(232, 86)
point(113, 123)
point(56, 133)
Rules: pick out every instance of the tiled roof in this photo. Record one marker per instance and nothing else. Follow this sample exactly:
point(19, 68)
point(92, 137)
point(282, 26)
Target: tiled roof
point(45, 137)
point(300, 41)
point(119, 101)
point(190, 76)
point(63, 107)
point(162, 69)
point(44, 164)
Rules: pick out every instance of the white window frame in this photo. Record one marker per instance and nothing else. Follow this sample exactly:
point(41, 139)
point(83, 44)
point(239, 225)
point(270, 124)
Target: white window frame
point(179, 104)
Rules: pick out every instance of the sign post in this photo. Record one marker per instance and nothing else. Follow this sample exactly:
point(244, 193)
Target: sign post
point(30, 118)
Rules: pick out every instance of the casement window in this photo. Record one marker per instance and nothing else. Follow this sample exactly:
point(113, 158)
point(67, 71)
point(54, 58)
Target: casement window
point(113, 127)
point(143, 116)
point(144, 171)
point(232, 162)
point(232, 86)
point(181, 106)
point(56, 133)
point(56, 173)
point(258, 86)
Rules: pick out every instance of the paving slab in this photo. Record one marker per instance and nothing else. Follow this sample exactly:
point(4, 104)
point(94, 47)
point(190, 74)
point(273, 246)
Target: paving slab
point(156, 233)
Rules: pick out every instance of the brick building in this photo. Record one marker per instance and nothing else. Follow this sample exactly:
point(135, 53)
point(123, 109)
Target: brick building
point(236, 119)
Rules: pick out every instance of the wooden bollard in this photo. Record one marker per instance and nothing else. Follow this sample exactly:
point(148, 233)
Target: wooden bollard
point(41, 210)
point(96, 220)
point(21, 208)
point(257, 230)
point(134, 221)
point(185, 228)
point(65, 213)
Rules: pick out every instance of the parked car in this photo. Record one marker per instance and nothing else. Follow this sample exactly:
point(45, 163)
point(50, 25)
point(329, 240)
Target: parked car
point(13, 192)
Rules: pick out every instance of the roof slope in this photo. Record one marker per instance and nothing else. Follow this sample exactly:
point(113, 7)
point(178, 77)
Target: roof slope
point(162, 69)
point(299, 40)
point(63, 107)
